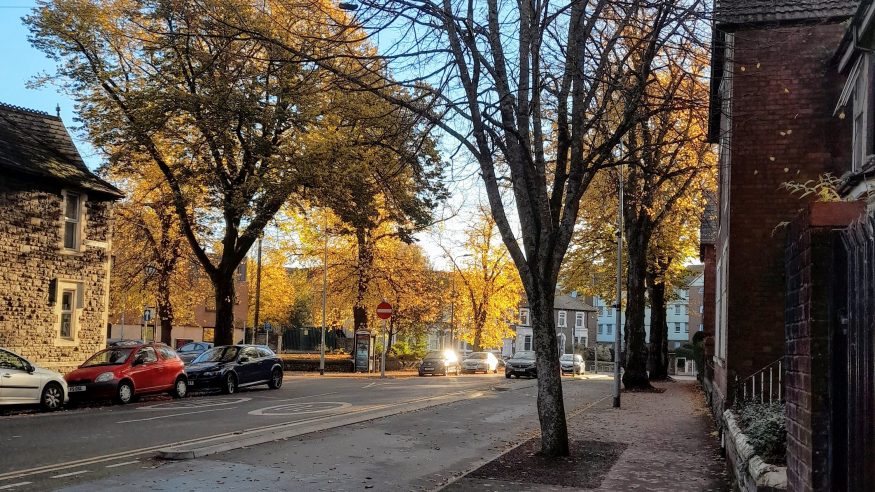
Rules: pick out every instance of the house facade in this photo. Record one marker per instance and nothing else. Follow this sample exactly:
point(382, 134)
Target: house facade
point(573, 317)
point(773, 90)
point(55, 243)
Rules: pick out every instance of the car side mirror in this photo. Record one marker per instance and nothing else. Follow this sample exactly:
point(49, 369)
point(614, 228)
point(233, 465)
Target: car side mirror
point(29, 368)
point(244, 359)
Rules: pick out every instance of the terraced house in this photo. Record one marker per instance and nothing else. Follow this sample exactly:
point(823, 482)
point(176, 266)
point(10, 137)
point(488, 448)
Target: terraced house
point(55, 247)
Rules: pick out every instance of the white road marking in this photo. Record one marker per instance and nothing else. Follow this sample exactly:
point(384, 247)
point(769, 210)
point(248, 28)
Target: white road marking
point(368, 385)
point(123, 463)
point(287, 409)
point(173, 415)
point(195, 403)
point(297, 397)
point(13, 485)
point(80, 472)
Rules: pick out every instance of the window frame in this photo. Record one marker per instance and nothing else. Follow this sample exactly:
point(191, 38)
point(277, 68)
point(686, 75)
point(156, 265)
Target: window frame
point(78, 221)
point(527, 343)
point(60, 288)
point(562, 319)
point(579, 320)
point(524, 317)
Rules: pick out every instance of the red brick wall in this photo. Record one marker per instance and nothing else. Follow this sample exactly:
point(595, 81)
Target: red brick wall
point(784, 92)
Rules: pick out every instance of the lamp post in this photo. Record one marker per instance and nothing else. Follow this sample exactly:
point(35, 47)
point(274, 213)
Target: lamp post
point(324, 297)
point(619, 304)
point(257, 293)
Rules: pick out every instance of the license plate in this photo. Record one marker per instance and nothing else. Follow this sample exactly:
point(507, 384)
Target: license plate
point(427, 369)
point(75, 389)
point(190, 382)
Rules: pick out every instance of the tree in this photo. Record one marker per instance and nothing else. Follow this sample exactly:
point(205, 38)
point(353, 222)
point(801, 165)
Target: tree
point(520, 89)
point(210, 106)
point(151, 262)
point(489, 286)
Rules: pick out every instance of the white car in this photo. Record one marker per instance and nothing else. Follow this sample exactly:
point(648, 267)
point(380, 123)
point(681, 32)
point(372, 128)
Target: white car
point(480, 361)
point(571, 363)
point(22, 383)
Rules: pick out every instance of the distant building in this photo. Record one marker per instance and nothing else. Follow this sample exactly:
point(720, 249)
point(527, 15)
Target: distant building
point(55, 243)
point(572, 316)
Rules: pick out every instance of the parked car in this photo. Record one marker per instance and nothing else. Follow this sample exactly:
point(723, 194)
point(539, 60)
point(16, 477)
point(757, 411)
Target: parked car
point(230, 367)
point(191, 350)
point(23, 383)
point(124, 372)
point(480, 361)
point(521, 364)
point(440, 362)
point(571, 364)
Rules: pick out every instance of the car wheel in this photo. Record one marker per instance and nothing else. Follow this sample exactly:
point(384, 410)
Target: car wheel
point(506, 376)
point(229, 384)
point(125, 392)
point(180, 388)
point(52, 398)
point(276, 379)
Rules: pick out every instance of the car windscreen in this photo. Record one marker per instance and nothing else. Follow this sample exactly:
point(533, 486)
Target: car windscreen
point(524, 355)
point(434, 355)
point(109, 357)
point(478, 355)
point(218, 354)
point(566, 357)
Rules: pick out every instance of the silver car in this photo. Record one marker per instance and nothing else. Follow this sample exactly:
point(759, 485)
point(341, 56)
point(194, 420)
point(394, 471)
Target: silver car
point(480, 361)
point(23, 383)
point(572, 364)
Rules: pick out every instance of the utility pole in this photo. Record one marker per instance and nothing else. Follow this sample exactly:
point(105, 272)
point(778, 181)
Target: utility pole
point(257, 293)
point(619, 296)
point(324, 297)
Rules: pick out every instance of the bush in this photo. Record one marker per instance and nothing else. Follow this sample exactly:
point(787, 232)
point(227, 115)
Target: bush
point(763, 424)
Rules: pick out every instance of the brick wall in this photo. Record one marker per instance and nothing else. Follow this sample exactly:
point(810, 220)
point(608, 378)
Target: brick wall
point(813, 264)
point(30, 258)
point(782, 129)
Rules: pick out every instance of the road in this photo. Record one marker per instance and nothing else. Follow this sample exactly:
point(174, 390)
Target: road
point(83, 447)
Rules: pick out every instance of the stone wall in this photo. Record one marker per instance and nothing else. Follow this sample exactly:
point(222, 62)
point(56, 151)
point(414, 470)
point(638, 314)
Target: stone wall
point(31, 259)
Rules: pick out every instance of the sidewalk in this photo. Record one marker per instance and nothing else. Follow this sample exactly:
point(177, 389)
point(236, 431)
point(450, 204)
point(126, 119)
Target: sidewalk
point(655, 442)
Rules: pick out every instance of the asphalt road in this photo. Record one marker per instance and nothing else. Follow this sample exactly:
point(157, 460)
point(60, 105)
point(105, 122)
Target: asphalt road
point(114, 446)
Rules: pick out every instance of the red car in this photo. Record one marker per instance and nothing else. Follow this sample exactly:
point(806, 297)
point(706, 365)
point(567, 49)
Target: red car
point(123, 372)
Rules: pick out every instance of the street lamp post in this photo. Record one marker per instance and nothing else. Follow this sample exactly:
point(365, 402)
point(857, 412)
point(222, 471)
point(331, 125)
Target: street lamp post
point(257, 294)
point(324, 297)
point(619, 305)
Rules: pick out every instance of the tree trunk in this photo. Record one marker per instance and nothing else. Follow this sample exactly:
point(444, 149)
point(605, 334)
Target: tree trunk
point(223, 282)
point(364, 261)
point(165, 308)
point(551, 406)
point(658, 330)
point(635, 368)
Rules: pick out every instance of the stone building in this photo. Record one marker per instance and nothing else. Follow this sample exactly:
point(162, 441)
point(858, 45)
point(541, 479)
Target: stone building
point(55, 246)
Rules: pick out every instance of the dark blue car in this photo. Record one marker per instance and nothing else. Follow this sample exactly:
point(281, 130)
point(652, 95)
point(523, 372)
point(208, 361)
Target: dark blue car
point(230, 367)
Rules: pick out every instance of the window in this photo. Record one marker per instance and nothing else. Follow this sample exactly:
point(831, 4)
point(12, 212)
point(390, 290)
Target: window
point(562, 322)
point(209, 335)
point(701, 309)
point(67, 299)
point(677, 309)
point(610, 329)
point(601, 310)
point(685, 327)
point(610, 312)
point(524, 317)
point(250, 352)
point(166, 352)
point(146, 355)
point(527, 342)
point(701, 327)
point(72, 214)
point(601, 329)
point(10, 361)
point(677, 327)
point(684, 293)
point(265, 352)
point(578, 320)
point(701, 290)
point(861, 141)
point(210, 304)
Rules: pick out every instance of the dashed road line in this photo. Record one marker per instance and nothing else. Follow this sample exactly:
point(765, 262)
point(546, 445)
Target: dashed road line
point(173, 415)
point(13, 485)
point(115, 465)
point(64, 475)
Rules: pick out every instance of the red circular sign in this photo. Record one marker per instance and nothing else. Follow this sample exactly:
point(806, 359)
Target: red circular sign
point(384, 310)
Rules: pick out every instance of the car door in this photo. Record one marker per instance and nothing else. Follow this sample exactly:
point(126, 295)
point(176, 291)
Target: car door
point(146, 370)
point(248, 371)
point(265, 363)
point(171, 365)
point(17, 385)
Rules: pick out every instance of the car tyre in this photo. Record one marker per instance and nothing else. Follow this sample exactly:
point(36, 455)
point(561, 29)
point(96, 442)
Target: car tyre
point(180, 388)
point(229, 384)
point(124, 394)
point(52, 398)
point(276, 379)
point(506, 376)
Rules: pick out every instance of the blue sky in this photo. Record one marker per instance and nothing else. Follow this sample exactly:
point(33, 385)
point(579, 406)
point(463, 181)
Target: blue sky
point(21, 62)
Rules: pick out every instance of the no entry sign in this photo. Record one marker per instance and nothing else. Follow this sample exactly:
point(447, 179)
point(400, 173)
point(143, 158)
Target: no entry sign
point(384, 310)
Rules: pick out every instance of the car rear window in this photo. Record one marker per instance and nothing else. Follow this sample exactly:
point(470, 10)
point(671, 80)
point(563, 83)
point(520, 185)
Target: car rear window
point(265, 352)
point(167, 353)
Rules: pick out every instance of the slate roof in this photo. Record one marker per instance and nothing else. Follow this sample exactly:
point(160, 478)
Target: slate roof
point(708, 225)
point(37, 144)
point(567, 302)
point(759, 11)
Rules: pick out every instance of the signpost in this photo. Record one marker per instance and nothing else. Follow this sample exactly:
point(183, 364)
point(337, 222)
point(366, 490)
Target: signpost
point(384, 312)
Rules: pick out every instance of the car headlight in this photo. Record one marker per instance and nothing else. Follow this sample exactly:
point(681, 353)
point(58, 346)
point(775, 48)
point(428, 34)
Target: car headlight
point(103, 377)
point(210, 374)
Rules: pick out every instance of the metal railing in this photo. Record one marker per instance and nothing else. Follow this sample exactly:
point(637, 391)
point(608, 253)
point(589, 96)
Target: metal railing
point(765, 385)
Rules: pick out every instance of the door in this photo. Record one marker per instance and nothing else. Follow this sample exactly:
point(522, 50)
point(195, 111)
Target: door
point(146, 370)
point(248, 371)
point(266, 362)
point(16, 384)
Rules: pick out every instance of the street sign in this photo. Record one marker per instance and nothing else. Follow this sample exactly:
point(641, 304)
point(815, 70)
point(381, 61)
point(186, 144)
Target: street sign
point(267, 326)
point(147, 314)
point(384, 310)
